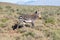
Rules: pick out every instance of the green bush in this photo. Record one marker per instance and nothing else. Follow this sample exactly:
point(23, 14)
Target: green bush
point(4, 20)
point(50, 20)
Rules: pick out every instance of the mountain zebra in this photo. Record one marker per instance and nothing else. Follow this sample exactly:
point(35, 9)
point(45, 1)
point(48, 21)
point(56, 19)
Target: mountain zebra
point(27, 18)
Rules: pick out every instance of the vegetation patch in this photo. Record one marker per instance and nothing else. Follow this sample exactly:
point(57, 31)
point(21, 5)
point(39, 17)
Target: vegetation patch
point(48, 13)
point(1, 25)
point(56, 34)
point(50, 20)
point(1, 7)
point(8, 7)
point(4, 20)
point(29, 33)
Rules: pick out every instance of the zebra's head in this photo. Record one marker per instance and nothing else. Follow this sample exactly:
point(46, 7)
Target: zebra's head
point(38, 14)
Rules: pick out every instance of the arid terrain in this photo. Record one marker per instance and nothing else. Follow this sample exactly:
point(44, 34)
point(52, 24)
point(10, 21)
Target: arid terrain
point(46, 28)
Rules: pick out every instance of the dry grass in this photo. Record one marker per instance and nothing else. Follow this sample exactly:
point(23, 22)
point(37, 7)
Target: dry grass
point(47, 28)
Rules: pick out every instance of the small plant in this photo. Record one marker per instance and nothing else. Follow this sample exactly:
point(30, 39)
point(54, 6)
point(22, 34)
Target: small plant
point(47, 33)
point(21, 31)
point(8, 7)
point(17, 9)
point(0, 7)
point(50, 20)
point(29, 33)
point(12, 10)
point(1, 25)
point(24, 10)
point(56, 35)
point(58, 13)
point(17, 38)
point(19, 13)
point(4, 20)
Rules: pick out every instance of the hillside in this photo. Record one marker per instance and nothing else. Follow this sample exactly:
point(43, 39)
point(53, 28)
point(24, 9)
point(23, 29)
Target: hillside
point(46, 28)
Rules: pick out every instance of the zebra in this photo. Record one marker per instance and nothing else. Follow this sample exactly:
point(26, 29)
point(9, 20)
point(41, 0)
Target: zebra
point(27, 18)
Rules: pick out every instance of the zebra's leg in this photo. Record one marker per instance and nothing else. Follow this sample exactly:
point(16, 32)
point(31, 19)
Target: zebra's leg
point(32, 23)
point(18, 23)
point(24, 24)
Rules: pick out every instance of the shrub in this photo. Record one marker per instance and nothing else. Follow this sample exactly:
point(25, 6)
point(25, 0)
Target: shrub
point(50, 20)
point(4, 20)
point(56, 34)
point(12, 10)
point(17, 38)
point(0, 7)
point(17, 9)
point(19, 13)
point(47, 33)
point(1, 25)
point(8, 7)
point(29, 33)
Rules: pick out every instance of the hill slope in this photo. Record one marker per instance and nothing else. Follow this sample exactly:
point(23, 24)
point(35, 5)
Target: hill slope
point(47, 28)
